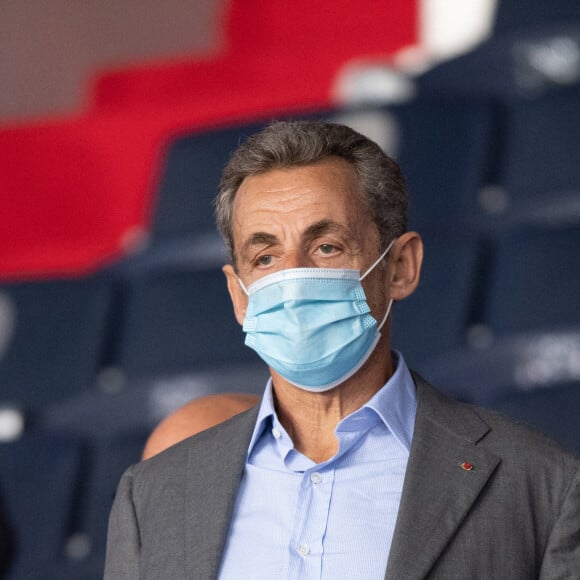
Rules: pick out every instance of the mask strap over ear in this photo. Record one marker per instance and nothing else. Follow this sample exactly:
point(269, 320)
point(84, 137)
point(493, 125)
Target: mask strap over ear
point(381, 257)
point(243, 287)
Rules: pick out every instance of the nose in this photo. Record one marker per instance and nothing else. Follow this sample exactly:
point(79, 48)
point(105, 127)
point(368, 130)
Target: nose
point(297, 260)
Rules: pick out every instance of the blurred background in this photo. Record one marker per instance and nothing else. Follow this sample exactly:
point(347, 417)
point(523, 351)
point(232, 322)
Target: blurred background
point(116, 119)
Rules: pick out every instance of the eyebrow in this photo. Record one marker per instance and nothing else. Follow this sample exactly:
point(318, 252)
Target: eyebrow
point(326, 227)
point(259, 239)
point(312, 232)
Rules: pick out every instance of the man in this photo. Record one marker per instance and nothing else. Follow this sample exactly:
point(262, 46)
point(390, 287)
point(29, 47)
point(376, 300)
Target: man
point(351, 466)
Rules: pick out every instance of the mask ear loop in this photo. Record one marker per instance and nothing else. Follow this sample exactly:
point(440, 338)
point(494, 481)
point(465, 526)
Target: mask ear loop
point(380, 258)
point(386, 315)
point(243, 287)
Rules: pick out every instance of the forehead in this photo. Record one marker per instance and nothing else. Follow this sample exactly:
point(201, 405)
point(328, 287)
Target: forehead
point(330, 185)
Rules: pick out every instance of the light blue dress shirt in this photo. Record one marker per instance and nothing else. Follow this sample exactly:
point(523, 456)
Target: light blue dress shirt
point(295, 519)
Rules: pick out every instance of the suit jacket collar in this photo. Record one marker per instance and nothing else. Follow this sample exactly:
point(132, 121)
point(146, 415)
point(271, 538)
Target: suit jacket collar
point(445, 474)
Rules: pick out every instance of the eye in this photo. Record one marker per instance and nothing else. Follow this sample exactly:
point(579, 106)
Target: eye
point(265, 260)
point(327, 249)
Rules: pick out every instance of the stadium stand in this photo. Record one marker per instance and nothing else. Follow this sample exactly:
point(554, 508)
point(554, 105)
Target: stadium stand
point(113, 309)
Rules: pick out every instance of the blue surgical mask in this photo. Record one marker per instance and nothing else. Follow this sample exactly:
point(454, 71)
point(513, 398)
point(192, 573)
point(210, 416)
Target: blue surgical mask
point(312, 325)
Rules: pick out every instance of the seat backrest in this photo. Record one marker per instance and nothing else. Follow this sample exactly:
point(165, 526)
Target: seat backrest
point(443, 152)
point(532, 376)
point(517, 14)
point(300, 33)
point(54, 340)
point(190, 180)
point(554, 410)
point(177, 321)
point(538, 140)
point(39, 474)
point(74, 194)
point(534, 281)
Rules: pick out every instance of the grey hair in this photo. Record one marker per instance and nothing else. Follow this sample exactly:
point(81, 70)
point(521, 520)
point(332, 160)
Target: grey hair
point(284, 144)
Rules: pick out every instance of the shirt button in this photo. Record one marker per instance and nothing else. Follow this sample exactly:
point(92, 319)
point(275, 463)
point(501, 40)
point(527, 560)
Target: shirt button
point(316, 478)
point(303, 550)
point(276, 433)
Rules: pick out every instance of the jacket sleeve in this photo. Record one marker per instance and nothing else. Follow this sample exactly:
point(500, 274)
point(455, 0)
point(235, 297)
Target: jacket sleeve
point(123, 541)
point(562, 556)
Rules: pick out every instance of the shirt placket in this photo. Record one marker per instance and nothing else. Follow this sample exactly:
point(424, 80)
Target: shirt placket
point(310, 524)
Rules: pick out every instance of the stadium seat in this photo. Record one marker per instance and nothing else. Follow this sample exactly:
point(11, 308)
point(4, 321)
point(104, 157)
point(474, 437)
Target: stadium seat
point(538, 176)
point(52, 334)
point(553, 410)
point(190, 179)
point(39, 474)
point(443, 151)
point(531, 376)
point(524, 63)
point(75, 194)
point(178, 320)
point(534, 281)
point(517, 14)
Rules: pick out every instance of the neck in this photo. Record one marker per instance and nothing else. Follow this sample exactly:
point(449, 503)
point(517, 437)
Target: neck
point(311, 418)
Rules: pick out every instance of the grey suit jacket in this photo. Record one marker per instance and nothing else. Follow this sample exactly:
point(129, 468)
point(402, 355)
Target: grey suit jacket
point(514, 516)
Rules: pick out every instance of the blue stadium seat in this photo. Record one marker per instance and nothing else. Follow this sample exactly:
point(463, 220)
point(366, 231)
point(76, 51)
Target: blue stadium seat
point(178, 320)
point(518, 14)
point(523, 63)
point(443, 152)
point(553, 410)
point(51, 337)
point(534, 281)
point(531, 376)
point(191, 175)
point(39, 474)
point(536, 168)
point(530, 73)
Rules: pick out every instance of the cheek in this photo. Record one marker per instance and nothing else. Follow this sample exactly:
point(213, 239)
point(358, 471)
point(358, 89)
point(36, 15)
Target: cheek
point(377, 293)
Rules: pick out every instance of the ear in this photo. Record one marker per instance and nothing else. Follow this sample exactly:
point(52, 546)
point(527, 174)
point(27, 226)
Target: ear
point(405, 265)
point(238, 296)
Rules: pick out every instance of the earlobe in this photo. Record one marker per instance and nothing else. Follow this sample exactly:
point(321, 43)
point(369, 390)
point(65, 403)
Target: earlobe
point(406, 261)
point(239, 298)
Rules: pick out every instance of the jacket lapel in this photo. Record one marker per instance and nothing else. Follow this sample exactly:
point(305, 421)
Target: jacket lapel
point(215, 469)
point(440, 487)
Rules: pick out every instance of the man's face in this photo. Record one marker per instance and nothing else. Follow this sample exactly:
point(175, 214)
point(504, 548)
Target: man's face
point(304, 217)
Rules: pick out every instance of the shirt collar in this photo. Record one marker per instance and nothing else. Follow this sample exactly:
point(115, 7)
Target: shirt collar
point(395, 404)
